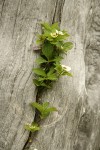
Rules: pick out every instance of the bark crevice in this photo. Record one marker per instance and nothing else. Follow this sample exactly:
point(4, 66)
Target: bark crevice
point(36, 119)
point(2, 7)
point(56, 18)
point(58, 11)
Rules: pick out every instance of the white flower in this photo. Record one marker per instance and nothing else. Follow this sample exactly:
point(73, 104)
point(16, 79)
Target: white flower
point(54, 35)
point(35, 149)
point(67, 68)
point(60, 33)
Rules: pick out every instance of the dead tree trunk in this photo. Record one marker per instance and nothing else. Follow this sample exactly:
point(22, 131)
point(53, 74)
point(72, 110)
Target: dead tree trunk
point(76, 125)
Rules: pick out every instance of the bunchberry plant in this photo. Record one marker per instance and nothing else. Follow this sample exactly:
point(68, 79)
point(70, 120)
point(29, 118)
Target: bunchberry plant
point(53, 45)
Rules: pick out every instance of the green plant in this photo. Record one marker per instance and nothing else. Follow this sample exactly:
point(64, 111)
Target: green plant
point(43, 109)
point(32, 127)
point(53, 46)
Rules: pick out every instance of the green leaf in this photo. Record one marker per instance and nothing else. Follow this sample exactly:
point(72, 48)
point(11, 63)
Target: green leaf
point(61, 38)
point(67, 73)
point(39, 71)
point(40, 82)
point(59, 44)
point(40, 39)
point(47, 50)
point(40, 60)
point(50, 71)
point(41, 78)
point(58, 68)
point(52, 77)
point(55, 26)
point(32, 127)
point(51, 109)
point(47, 112)
point(65, 33)
point(36, 82)
point(44, 109)
point(58, 59)
point(50, 28)
point(46, 26)
point(44, 114)
point(38, 106)
point(45, 104)
point(67, 46)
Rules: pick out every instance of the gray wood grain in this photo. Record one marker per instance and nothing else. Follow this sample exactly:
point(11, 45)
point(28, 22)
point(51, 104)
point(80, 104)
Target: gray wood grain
point(76, 125)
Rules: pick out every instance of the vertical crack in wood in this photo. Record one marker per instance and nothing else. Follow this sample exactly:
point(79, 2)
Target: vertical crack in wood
point(36, 119)
point(58, 11)
point(56, 18)
point(2, 8)
point(53, 19)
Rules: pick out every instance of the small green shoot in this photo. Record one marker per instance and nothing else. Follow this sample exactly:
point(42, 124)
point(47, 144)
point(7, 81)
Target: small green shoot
point(32, 127)
point(43, 109)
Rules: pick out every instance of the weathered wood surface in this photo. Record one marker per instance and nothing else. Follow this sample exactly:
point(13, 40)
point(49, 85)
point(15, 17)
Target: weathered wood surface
point(76, 125)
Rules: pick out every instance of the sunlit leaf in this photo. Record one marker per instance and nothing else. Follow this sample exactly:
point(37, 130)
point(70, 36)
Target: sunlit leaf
point(37, 106)
point(52, 109)
point(46, 104)
point(55, 26)
point(46, 26)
